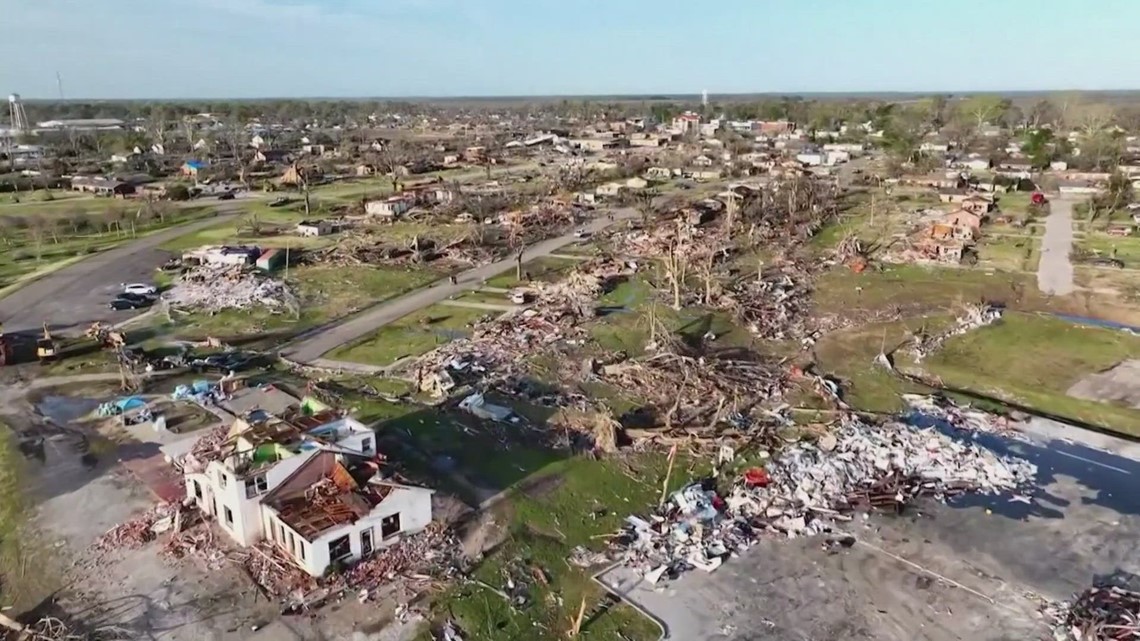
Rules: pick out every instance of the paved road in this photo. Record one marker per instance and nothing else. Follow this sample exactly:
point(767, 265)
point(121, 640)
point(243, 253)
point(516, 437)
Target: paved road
point(1055, 270)
point(72, 298)
point(311, 348)
point(1082, 523)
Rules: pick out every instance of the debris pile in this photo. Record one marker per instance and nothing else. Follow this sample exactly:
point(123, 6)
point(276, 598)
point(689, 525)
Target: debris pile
point(493, 348)
point(1100, 613)
point(139, 531)
point(810, 487)
point(53, 629)
point(432, 551)
point(774, 305)
point(975, 317)
point(212, 288)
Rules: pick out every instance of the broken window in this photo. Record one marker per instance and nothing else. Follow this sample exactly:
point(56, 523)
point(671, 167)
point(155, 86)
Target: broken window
point(366, 445)
point(198, 490)
point(229, 517)
point(255, 486)
point(222, 479)
point(389, 526)
point(340, 548)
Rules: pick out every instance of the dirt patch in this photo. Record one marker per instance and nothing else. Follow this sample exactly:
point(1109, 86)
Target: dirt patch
point(483, 534)
point(1119, 385)
point(540, 487)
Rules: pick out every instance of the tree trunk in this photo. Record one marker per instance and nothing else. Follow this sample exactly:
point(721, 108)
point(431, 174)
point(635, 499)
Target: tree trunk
point(518, 265)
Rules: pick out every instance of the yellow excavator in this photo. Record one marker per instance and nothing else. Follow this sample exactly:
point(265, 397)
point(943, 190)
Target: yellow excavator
point(46, 347)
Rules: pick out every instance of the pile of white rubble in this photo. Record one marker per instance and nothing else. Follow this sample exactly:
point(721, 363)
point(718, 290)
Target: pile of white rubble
point(214, 288)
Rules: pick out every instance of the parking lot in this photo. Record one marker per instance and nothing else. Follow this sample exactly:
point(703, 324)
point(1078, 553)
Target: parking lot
point(974, 570)
point(70, 299)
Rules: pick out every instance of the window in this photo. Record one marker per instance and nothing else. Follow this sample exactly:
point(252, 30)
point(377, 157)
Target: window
point(292, 544)
point(229, 517)
point(301, 550)
point(389, 526)
point(255, 486)
point(198, 490)
point(223, 480)
point(340, 548)
point(282, 528)
point(366, 445)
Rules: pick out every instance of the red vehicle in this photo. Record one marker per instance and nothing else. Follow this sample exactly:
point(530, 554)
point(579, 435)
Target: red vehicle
point(1037, 198)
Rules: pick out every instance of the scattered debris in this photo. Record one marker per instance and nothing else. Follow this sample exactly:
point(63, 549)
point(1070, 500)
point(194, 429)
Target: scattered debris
point(975, 317)
point(1100, 613)
point(810, 487)
point(139, 531)
point(212, 288)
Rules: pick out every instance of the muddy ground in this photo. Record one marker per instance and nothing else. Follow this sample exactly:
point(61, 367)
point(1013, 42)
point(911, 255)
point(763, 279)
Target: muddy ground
point(1118, 385)
point(972, 571)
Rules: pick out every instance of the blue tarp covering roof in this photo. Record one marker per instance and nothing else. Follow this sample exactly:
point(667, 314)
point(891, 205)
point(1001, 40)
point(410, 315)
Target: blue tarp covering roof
point(196, 164)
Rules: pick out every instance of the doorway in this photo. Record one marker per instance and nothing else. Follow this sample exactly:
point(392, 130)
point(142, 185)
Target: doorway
point(366, 542)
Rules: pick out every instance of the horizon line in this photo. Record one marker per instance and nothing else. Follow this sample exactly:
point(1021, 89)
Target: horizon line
point(632, 96)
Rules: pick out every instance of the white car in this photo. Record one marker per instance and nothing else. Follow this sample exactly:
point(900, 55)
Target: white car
point(139, 289)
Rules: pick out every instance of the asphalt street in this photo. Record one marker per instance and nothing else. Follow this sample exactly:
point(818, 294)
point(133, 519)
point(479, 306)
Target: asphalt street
point(310, 348)
point(70, 299)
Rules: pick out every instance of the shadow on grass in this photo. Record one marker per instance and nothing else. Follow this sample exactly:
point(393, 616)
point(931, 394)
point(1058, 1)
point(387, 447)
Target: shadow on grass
point(479, 458)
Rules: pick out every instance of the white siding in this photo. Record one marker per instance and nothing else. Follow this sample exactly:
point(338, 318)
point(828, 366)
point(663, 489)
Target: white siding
point(412, 504)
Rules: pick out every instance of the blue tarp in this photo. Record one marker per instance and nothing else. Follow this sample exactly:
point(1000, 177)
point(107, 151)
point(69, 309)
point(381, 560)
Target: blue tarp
point(129, 403)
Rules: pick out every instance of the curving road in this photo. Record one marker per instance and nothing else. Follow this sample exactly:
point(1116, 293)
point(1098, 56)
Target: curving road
point(73, 297)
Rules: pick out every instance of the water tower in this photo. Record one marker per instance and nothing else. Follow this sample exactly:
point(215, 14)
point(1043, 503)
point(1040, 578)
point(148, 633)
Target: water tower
point(18, 118)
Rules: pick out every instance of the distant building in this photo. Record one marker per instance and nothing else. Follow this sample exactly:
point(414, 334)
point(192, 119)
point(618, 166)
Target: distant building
point(101, 186)
point(687, 123)
point(388, 207)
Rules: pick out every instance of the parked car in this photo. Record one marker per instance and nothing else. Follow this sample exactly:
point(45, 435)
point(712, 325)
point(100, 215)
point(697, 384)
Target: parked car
point(226, 195)
point(138, 298)
point(280, 201)
point(224, 362)
point(140, 289)
point(123, 304)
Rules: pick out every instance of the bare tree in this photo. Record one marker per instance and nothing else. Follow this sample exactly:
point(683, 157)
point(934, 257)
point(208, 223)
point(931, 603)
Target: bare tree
point(676, 267)
point(38, 233)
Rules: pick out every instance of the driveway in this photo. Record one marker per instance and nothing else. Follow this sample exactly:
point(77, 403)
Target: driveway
point(1055, 270)
point(310, 349)
point(969, 571)
point(72, 298)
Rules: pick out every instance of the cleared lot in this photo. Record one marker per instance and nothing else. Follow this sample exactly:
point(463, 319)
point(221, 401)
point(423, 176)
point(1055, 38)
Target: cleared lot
point(970, 571)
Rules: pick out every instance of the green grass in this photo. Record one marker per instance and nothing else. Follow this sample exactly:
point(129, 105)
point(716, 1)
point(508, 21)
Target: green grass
point(326, 293)
point(1008, 253)
point(489, 298)
point(1033, 360)
point(545, 269)
point(580, 500)
point(1127, 248)
point(914, 289)
point(412, 335)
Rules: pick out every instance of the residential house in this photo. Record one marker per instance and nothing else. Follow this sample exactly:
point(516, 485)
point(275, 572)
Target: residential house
point(1058, 165)
point(976, 164)
point(304, 478)
point(773, 127)
point(946, 181)
point(709, 129)
point(610, 190)
point(977, 203)
point(702, 161)
point(314, 149)
point(812, 159)
point(836, 157)
point(257, 141)
point(990, 131)
point(273, 156)
point(364, 170)
point(687, 123)
point(964, 224)
point(593, 144)
point(314, 228)
point(101, 186)
point(222, 255)
point(1016, 165)
point(852, 148)
point(1077, 188)
point(357, 512)
point(1129, 169)
point(934, 147)
point(647, 140)
point(701, 175)
point(192, 168)
point(475, 154)
point(658, 173)
point(390, 207)
point(450, 160)
point(637, 183)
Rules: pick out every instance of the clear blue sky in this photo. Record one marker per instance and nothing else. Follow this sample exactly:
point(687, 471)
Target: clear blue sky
point(261, 48)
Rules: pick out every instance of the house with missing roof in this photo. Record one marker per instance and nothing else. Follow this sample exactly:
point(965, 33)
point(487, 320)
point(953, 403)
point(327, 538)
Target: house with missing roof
point(308, 481)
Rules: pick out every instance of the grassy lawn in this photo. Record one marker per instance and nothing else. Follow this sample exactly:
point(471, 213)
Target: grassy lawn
point(544, 269)
point(849, 355)
point(1033, 360)
point(574, 502)
point(914, 288)
point(412, 335)
point(1009, 253)
point(1125, 248)
point(326, 293)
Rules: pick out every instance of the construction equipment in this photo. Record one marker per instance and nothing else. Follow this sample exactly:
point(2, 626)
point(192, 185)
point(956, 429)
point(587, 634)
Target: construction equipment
point(46, 347)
